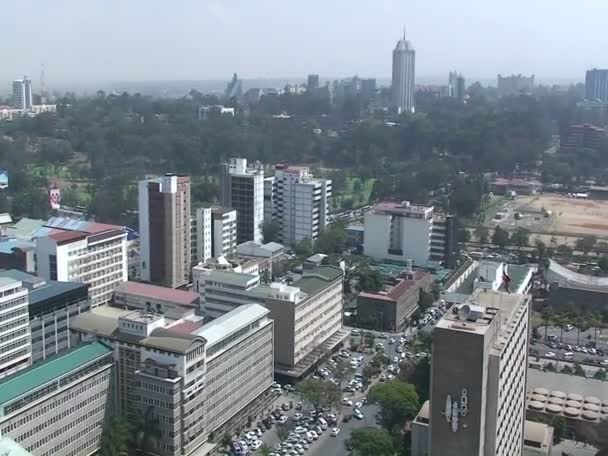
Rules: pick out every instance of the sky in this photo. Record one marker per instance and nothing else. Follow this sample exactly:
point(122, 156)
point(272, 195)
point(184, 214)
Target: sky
point(150, 40)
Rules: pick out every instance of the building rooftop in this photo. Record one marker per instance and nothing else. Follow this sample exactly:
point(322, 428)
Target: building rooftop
point(231, 322)
point(7, 246)
point(5, 219)
point(25, 228)
point(181, 297)
point(238, 279)
point(539, 433)
point(41, 290)
point(424, 413)
point(315, 280)
point(38, 375)
point(6, 281)
point(403, 207)
point(402, 287)
point(570, 279)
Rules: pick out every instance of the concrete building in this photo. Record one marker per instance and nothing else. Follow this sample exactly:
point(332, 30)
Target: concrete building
point(58, 407)
point(444, 247)
point(22, 93)
point(583, 136)
point(402, 231)
point(301, 203)
point(222, 291)
point(164, 229)
point(51, 306)
point(270, 256)
point(502, 186)
point(313, 82)
point(152, 298)
point(404, 76)
point(456, 86)
point(242, 189)
point(15, 342)
point(70, 250)
point(596, 85)
point(514, 84)
point(391, 308)
point(17, 254)
point(216, 230)
point(590, 293)
point(478, 378)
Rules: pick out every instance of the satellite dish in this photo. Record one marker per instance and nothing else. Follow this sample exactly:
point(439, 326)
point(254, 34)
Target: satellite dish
point(464, 312)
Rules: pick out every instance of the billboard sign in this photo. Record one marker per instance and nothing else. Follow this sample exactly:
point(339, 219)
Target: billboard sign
point(3, 178)
point(55, 198)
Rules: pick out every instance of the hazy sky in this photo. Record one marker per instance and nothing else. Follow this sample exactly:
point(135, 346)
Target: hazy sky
point(101, 40)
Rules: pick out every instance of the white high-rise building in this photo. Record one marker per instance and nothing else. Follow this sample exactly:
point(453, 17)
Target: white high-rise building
point(15, 342)
point(215, 233)
point(404, 76)
point(22, 93)
point(242, 189)
point(301, 203)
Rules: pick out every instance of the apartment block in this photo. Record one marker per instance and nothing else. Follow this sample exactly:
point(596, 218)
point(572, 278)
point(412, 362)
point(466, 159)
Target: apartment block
point(52, 305)
point(478, 378)
point(57, 406)
point(242, 189)
point(15, 342)
point(444, 247)
point(216, 233)
point(164, 229)
point(70, 250)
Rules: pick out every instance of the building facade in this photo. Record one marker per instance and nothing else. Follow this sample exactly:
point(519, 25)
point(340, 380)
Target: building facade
point(456, 86)
point(216, 230)
point(596, 85)
point(78, 251)
point(58, 407)
point(312, 82)
point(22, 93)
point(301, 204)
point(404, 76)
point(164, 229)
point(583, 136)
point(514, 84)
point(152, 298)
point(242, 189)
point(15, 341)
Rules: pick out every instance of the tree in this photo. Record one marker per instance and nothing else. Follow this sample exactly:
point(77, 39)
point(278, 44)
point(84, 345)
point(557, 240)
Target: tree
point(597, 436)
point(284, 429)
point(369, 279)
point(226, 440)
point(340, 372)
point(600, 374)
point(371, 441)
point(147, 431)
point(426, 300)
point(500, 237)
point(566, 369)
point(520, 237)
point(304, 248)
point(398, 402)
point(603, 263)
point(270, 231)
point(482, 234)
point(564, 250)
point(546, 316)
point(419, 375)
point(586, 243)
point(318, 393)
point(578, 370)
point(264, 450)
point(115, 437)
point(559, 428)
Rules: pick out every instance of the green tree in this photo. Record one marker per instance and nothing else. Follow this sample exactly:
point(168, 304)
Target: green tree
point(520, 237)
point(304, 248)
point(586, 243)
point(270, 231)
point(419, 375)
point(482, 234)
point(147, 431)
point(597, 436)
point(500, 237)
point(566, 369)
point(264, 450)
point(226, 440)
point(600, 374)
point(369, 279)
point(578, 370)
point(564, 250)
point(318, 393)
point(398, 402)
point(371, 441)
point(426, 300)
point(603, 263)
point(559, 428)
point(115, 437)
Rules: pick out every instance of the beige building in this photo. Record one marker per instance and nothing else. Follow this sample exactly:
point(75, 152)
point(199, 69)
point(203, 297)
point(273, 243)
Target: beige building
point(15, 339)
point(57, 407)
point(164, 229)
point(152, 298)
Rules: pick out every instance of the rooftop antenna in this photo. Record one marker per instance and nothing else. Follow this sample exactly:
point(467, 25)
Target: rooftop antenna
point(404, 32)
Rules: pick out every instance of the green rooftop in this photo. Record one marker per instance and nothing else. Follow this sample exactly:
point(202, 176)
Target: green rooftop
point(238, 279)
point(317, 279)
point(34, 377)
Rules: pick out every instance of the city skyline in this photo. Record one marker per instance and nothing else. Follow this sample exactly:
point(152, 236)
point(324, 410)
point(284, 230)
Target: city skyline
point(520, 43)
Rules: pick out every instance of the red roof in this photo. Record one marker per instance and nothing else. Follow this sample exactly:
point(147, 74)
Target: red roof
point(64, 237)
point(402, 288)
point(186, 327)
point(181, 297)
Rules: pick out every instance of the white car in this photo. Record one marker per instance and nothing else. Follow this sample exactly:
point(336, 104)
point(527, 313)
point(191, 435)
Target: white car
point(382, 378)
point(314, 434)
point(550, 355)
point(300, 430)
point(358, 404)
point(347, 401)
point(395, 359)
point(390, 341)
point(283, 419)
point(297, 416)
point(358, 414)
point(256, 444)
point(335, 432)
point(304, 444)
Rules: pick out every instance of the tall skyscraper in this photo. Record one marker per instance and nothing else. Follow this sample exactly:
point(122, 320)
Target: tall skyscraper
point(404, 76)
point(456, 86)
point(313, 82)
point(596, 85)
point(164, 229)
point(22, 93)
point(242, 188)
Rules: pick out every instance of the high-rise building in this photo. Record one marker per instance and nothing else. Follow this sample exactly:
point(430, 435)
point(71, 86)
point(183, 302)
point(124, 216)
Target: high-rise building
point(301, 203)
point(404, 76)
point(164, 229)
point(313, 82)
point(215, 233)
point(456, 86)
point(515, 84)
point(242, 189)
point(596, 85)
point(478, 378)
point(15, 343)
point(22, 93)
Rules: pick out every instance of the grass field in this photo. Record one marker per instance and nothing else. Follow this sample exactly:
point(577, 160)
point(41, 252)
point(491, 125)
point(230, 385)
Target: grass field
point(356, 190)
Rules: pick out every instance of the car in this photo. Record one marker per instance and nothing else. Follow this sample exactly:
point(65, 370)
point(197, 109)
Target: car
point(549, 355)
point(355, 332)
point(308, 437)
point(300, 430)
point(584, 350)
point(390, 377)
point(358, 404)
point(335, 431)
point(382, 377)
point(604, 362)
point(244, 445)
point(347, 401)
point(304, 444)
point(331, 418)
point(297, 416)
point(256, 444)
point(315, 436)
point(395, 359)
point(299, 406)
point(283, 419)
point(357, 414)
point(421, 355)
point(401, 339)
point(399, 349)
point(592, 351)
point(391, 340)
point(277, 391)
point(568, 327)
point(285, 406)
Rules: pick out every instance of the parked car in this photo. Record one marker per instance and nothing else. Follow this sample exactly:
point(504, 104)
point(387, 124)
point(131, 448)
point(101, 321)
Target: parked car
point(335, 431)
point(550, 355)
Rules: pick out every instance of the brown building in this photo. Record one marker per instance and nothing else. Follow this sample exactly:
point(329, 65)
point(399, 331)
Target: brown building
point(390, 309)
point(583, 136)
point(164, 228)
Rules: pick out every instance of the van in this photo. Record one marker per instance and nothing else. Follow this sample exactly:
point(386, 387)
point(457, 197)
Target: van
point(323, 423)
point(568, 355)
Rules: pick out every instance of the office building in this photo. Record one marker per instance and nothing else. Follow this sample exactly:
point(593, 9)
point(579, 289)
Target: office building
point(152, 298)
point(444, 247)
point(164, 230)
point(301, 203)
point(478, 378)
point(70, 250)
point(15, 341)
point(583, 136)
point(11, 448)
point(403, 231)
point(190, 378)
point(234, 89)
point(269, 202)
point(514, 84)
point(456, 86)
point(242, 189)
point(368, 88)
point(596, 85)
point(51, 306)
point(22, 93)
point(58, 407)
point(216, 230)
point(313, 82)
point(404, 76)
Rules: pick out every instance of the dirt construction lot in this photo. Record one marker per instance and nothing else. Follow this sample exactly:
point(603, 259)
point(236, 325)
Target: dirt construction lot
point(569, 217)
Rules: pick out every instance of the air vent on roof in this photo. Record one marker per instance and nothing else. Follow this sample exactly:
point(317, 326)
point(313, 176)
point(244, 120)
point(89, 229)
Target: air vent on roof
point(470, 312)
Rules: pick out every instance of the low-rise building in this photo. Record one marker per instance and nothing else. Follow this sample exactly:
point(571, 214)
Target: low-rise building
point(153, 298)
point(584, 136)
point(15, 342)
point(502, 186)
point(58, 406)
point(391, 308)
point(566, 286)
point(52, 306)
point(17, 254)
